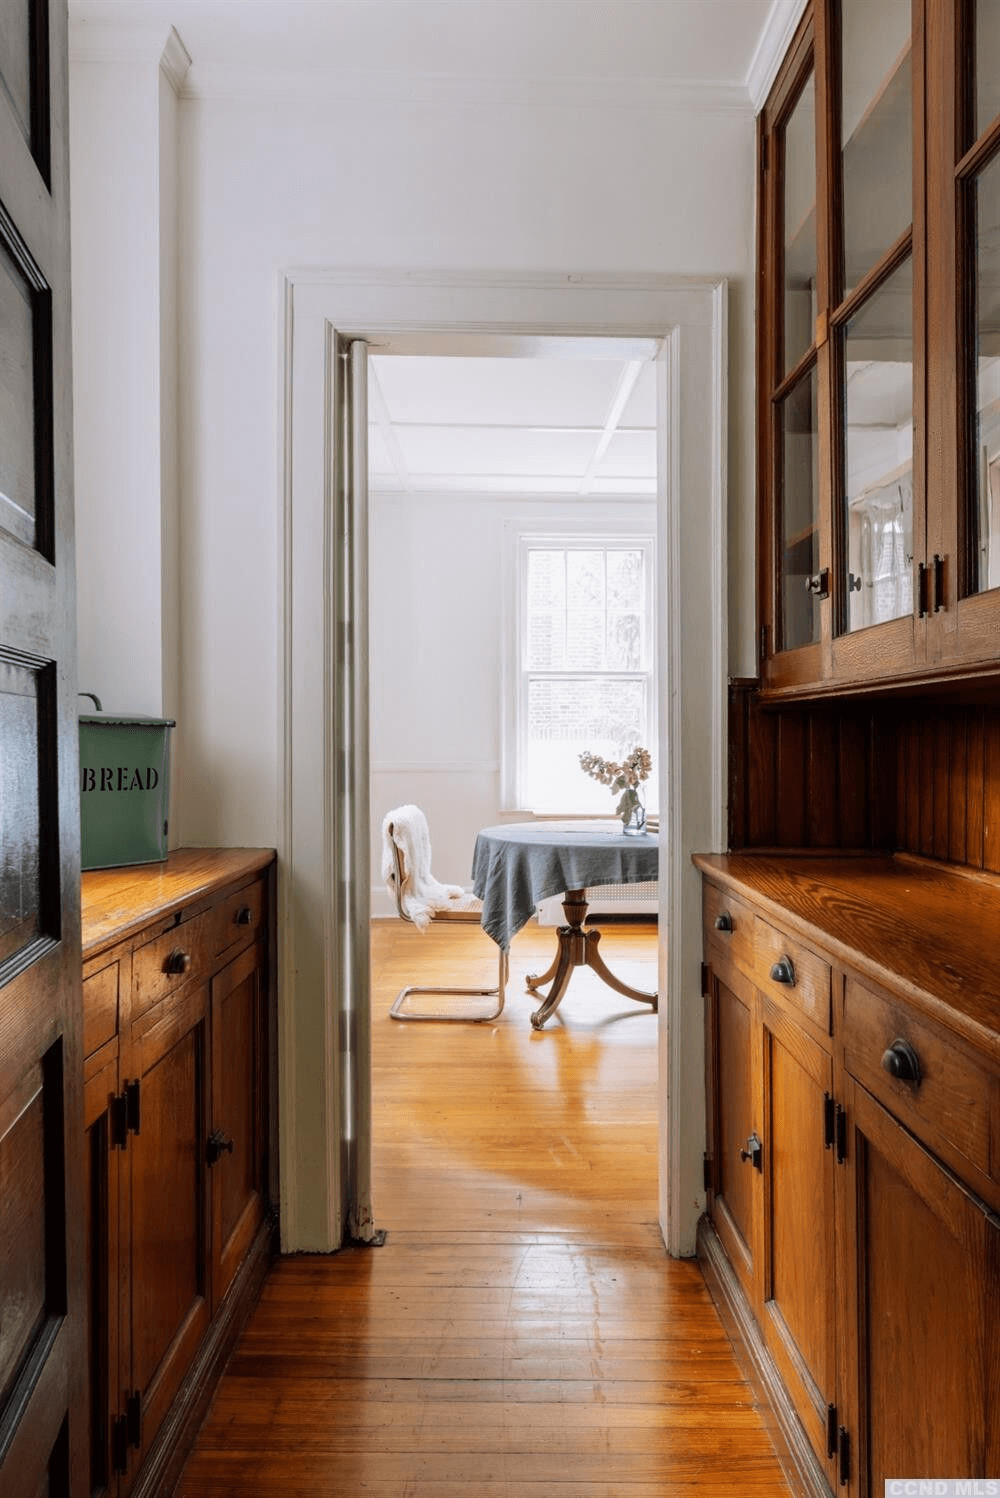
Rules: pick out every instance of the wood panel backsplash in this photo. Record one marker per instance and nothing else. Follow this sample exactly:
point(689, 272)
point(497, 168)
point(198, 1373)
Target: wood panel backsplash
point(910, 776)
point(820, 776)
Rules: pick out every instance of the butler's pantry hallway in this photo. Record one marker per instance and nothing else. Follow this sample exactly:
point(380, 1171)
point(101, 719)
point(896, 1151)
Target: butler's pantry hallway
point(522, 1333)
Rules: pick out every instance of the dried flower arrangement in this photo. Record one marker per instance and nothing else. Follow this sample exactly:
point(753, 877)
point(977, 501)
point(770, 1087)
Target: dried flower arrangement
point(625, 777)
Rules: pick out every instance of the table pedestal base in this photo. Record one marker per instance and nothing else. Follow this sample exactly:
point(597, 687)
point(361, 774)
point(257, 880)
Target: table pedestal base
point(577, 948)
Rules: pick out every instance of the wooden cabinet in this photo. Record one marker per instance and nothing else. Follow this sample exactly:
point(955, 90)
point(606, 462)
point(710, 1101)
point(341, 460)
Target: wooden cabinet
point(879, 361)
point(178, 1147)
point(853, 1166)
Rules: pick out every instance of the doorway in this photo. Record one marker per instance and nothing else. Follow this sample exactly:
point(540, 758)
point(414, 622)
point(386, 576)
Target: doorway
point(322, 1067)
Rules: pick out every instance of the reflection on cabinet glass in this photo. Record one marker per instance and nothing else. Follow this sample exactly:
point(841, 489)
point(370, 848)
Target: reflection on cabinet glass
point(799, 207)
point(875, 130)
point(987, 24)
point(800, 514)
point(985, 191)
point(878, 454)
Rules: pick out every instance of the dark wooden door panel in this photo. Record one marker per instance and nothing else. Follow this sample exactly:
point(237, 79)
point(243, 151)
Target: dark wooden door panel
point(42, 1423)
point(101, 1193)
point(236, 1174)
point(928, 1257)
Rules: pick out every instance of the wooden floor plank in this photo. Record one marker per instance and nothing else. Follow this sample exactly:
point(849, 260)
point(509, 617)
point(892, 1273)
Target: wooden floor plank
point(522, 1334)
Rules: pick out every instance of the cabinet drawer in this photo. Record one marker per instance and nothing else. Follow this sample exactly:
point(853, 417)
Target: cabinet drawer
point(194, 949)
point(807, 984)
point(236, 921)
point(100, 1008)
point(729, 923)
point(955, 1099)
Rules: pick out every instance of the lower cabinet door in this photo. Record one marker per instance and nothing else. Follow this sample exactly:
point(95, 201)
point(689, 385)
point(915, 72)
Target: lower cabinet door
point(798, 1302)
point(925, 1303)
point(236, 1136)
point(101, 1163)
point(169, 1289)
point(734, 1124)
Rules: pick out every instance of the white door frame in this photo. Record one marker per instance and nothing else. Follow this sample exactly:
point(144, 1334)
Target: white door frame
point(318, 308)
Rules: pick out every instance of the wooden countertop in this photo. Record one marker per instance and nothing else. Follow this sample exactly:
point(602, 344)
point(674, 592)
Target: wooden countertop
point(117, 902)
point(923, 929)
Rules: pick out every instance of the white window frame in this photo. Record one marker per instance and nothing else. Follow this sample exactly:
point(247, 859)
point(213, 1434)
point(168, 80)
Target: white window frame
point(608, 532)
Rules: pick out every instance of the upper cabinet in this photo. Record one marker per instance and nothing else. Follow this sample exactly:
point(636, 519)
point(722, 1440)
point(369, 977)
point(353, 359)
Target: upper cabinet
point(879, 348)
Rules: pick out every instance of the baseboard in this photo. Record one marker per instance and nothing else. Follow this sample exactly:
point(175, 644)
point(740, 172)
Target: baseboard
point(160, 1472)
point(805, 1476)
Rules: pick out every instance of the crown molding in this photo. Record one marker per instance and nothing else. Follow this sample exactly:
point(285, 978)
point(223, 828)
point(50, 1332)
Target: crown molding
point(322, 86)
point(175, 61)
point(98, 41)
point(776, 34)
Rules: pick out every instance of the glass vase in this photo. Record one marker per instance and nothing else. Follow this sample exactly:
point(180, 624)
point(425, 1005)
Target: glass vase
point(634, 825)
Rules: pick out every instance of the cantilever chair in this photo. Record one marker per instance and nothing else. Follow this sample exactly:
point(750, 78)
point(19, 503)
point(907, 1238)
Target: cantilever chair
point(499, 993)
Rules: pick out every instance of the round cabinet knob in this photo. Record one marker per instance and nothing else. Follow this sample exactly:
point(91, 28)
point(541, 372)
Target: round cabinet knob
point(178, 962)
point(902, 1062)
point(724, 922)
point(783, 971)
point(244, 916)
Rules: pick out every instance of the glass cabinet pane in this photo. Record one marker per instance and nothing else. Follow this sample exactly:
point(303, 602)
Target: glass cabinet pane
point(799, 562)
point(800, 225)
point(878, 454)
point(986, 519)
point(876, 130)
point(987, 64)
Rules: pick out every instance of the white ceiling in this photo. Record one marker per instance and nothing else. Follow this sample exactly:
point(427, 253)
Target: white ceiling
point(494, 425)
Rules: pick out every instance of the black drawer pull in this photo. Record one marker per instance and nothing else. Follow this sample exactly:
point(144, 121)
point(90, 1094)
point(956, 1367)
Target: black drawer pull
point(724, 922)
point(244, 916)
point(177, 962)
point(783, 971)
point(902, 1062)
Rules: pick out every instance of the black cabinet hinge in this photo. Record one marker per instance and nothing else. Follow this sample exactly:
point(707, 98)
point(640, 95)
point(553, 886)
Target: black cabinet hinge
point(764, 153)
point(119, 1445)
point(704, 980)
point(707, 1171)
point(119, 1121)
point(829, 1112)
point(763, 642)
point(938, 583)
point(133, 1419)
point(844, 1457)
point(841, 1128)
point(132, 1106)
point(124, 1111)
point(831, 1430)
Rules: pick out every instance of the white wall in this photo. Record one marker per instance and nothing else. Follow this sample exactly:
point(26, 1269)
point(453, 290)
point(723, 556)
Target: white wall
point(268, 186)
point(437, 639)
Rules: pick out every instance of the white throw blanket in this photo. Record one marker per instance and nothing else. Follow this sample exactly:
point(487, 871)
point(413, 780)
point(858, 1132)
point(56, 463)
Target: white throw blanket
point(421, 896)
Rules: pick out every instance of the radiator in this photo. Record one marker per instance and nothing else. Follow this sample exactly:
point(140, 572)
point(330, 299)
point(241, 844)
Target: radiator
point(606, 899)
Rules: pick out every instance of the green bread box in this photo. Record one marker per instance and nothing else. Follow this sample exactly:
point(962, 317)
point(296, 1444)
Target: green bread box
point(124, 789)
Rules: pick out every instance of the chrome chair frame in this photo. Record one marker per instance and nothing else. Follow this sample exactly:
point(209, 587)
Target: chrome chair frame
point(500, 992)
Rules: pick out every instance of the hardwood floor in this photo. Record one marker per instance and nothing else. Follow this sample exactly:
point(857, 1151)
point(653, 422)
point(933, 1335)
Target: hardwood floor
point(522, 1333)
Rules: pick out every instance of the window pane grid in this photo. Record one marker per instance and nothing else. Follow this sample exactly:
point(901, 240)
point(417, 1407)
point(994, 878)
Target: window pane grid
point(586, 678)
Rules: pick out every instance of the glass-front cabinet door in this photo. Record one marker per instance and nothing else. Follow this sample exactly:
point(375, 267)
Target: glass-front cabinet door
point(964, 220)
point(794, 569)
point(878, 529)
point(879, 348)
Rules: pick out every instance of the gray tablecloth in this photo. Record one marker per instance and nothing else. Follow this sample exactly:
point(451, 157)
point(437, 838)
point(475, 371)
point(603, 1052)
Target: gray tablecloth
point(514, 867)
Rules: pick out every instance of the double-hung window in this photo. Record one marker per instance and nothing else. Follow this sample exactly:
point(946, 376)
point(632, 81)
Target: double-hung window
point(584, 678)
